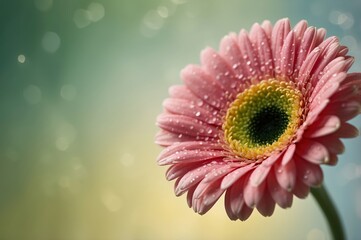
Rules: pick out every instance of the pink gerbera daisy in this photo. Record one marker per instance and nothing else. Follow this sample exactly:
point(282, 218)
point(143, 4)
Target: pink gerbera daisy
point(257, 119)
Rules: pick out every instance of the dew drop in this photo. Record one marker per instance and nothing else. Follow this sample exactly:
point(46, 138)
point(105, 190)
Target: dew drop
point(198, 114)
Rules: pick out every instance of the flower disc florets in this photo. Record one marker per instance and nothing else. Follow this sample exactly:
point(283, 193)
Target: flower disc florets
point(263, 119)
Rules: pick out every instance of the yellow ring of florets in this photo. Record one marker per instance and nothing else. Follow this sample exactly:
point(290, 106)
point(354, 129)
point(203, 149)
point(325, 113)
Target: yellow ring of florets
point(272, 93)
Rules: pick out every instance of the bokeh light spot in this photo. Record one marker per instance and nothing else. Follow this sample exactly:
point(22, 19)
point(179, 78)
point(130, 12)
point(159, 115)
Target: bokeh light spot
point(344, 20)
point(111, 201)
point(96, 11)
point(127, 159)
point(51, 42)
point(68, 92)
point(32, 94)
point(82, 18)
point(62, 143)
point(163, 11)
point(21, 58)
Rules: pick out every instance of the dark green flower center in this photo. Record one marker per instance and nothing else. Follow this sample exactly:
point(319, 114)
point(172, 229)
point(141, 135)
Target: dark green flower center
point(267, 125)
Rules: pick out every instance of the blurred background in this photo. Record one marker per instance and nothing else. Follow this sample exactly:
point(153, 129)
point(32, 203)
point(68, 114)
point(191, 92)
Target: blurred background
point(81, 84)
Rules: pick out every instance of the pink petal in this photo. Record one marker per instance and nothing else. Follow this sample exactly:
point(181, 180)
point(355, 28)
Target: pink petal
point(252, 195)
point(245, 212)
point(328, 89)
point(267, 206)
point(286, 175)
point(312, 151)
point(267, 26)
point(350, 89)
point(342, 51)
point(179, 170)
point(195, 176)
point(234, 199)
point(191, 156)
point(217, 173)
point(345, 110)
point(308, 64)
point(288, 55)
point(314, 112)
point(251, 62)
point(181, 92)
point(282, 197)
point(232, 177)
point(333, 159)
point(259, 175)
point(332, 143)
point(261, 171)
point(348, 62)
point(272, 159)
point(329, 50)
point(263, 49)
point(187, 108)
point(165, 138)
point(311, 174)
point(186, 125)
point(279, 34)
point(203, 86)
point(320, 36)
point(329, 77)
point(347, 131)
point(301, 190)
point(209, 197)
point(306, 45)
point(190, 195)
point(288, 154)
point(352, 78)
point(217, 67)
point(191, 145)
point(323, 126)
point(300, 29)
point(230, 51)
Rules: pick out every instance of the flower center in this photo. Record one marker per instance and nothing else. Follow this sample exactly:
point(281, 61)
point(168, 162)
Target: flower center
point(263, 119)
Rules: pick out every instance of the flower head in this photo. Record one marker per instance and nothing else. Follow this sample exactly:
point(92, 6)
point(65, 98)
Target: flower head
point(257, 119)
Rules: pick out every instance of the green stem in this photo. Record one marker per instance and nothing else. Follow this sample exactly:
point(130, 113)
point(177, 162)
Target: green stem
point(330, 212)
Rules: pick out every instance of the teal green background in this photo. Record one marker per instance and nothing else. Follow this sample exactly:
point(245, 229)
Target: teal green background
point(81, 84)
